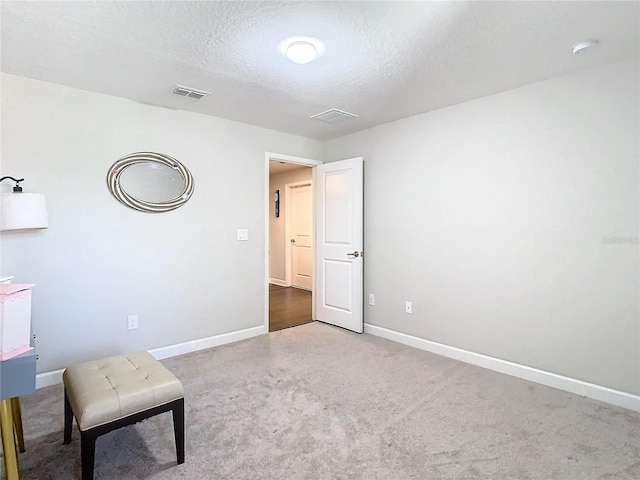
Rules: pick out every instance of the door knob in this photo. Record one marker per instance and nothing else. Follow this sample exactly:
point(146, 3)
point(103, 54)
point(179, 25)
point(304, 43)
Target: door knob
point(293, 240)
point(353, 255)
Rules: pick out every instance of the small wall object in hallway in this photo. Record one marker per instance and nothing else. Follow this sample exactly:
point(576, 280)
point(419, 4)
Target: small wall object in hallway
point(150, 182)
point(277, 204)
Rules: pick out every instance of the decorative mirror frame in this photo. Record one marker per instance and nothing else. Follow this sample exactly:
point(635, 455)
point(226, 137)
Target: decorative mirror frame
point(113, 182)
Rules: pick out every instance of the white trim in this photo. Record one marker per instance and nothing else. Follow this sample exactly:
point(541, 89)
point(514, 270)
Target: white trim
point(281, 157)
point(314, 206)
point(584, 389)
point(54, 377)
point(289, 159)
point(47, 379)
point(204, 343)
point(277, 281)
point(302, 288)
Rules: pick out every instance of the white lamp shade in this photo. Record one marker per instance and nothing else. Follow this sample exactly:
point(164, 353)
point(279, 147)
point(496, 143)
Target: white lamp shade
point(21, 211)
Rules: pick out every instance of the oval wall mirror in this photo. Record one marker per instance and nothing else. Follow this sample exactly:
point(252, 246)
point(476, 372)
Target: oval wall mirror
point(150, 182)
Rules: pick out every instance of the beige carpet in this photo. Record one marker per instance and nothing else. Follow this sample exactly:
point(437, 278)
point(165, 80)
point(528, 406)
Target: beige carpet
point(316, 402)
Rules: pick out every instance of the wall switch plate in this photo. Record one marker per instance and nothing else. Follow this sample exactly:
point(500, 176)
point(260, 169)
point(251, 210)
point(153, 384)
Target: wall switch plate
point(242, 234)
point(132, 322)
point(408, 307)
point(372, 299)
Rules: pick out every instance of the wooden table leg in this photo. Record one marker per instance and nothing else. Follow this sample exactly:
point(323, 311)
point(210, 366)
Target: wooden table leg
point(17, 422)
point(8, 440)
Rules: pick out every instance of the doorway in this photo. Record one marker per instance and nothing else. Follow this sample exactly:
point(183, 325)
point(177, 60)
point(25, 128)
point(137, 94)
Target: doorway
point(290, 265)
point(337, 226)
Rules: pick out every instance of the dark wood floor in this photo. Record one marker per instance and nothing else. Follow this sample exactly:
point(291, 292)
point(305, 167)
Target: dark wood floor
point(288, 307)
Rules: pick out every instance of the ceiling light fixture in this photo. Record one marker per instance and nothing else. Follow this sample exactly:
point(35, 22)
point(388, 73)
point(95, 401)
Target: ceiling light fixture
point(580, 47)
point(301, 50)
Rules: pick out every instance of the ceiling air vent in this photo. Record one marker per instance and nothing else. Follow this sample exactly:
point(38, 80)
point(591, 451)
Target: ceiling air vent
point(189, 92)
point(333, 116)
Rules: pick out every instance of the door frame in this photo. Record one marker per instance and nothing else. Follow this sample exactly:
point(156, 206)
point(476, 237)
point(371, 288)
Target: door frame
point(288, 261)
point(309, 162)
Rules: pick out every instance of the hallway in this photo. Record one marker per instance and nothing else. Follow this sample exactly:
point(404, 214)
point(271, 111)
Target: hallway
point(288, 307)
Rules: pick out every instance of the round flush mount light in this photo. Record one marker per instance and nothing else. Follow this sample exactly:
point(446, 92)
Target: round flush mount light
point(301, 50)
point(582, 47)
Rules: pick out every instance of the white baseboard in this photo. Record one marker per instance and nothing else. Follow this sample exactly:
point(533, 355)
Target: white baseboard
point(302, 288)
point(597, 392)
point(209, 342)
point(277, 281)
point(47, 379)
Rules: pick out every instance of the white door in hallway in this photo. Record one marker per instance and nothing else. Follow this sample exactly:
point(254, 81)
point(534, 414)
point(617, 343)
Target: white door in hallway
point(339, 243)
point(301, 241)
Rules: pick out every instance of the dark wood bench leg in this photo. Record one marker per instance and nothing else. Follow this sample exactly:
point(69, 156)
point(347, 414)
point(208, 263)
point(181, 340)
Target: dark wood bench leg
point(87, 453)
point(178, 428)
point(88, 438)
point(68, 419)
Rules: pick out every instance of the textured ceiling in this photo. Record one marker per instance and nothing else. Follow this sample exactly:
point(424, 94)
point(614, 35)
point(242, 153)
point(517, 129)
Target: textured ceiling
point(383, 60)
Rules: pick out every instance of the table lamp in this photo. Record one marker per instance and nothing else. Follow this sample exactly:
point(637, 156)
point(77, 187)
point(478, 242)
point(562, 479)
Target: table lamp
point(22, 211)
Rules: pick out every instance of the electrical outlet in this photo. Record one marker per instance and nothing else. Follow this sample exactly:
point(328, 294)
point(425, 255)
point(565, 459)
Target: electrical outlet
point(372, 299)
point(408, 307)
point(132, 322)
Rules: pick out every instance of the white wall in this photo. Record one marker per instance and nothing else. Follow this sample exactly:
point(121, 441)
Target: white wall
point(490, 216)
point(182, 272)
point(278, 242)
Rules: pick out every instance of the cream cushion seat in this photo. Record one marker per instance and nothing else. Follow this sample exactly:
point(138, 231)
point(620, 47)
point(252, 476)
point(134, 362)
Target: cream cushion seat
point(105, 390)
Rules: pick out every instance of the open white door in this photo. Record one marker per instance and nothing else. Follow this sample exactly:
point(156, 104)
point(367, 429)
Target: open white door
point(339, 263)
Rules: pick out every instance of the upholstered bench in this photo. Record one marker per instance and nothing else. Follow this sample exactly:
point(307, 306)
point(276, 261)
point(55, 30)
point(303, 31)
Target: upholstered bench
point(114, 392)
